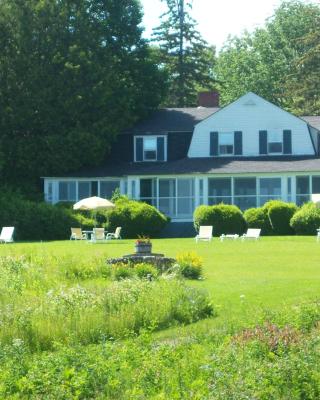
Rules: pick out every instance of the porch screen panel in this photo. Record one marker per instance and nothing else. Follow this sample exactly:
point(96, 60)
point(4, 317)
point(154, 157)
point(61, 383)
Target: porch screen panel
point(107, 188)
point(315, 184)
point(185, 198)
point(167, 196)
point(84, 189)
point(219, 191)
point(245, 193)
point(67, 191)
point(148, 191)
point(302, 189)
point(270, 189)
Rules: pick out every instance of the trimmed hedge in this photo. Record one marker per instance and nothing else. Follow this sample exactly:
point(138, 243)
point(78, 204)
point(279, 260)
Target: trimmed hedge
point(224, 218)
point(258, 218)
point(280, 214)
point(306, 221)
point(38, 221)
point(136, 219)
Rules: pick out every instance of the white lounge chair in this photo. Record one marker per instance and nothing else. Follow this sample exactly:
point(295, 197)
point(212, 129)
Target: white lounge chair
point(98, 235)
point(251, 234)
point(77, 234)
point(115, 235)
point(205, 233)
point(6, 235)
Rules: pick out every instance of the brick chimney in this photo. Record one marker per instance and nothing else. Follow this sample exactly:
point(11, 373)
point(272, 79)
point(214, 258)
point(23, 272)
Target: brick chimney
point(208, 99)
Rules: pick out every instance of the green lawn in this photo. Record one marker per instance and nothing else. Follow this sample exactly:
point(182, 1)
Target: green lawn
point(242, 278)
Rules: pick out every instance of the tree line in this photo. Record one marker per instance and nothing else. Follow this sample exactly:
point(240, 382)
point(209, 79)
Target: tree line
point(75, 73)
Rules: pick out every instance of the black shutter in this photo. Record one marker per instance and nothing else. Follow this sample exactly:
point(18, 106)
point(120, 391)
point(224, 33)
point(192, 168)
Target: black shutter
point(139, 149)
point(160, 148)
point(214, 143)
point(238, 143)
point(263, 142)
point(287, 142)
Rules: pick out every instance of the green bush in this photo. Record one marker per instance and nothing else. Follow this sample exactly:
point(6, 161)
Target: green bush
point(144, 270)
point(280, 214)
point(258, 218)
point(190, 265)
point(136, 218)
point(39, 221)
point(306, 221)
point(224, 218)
point(122, 271)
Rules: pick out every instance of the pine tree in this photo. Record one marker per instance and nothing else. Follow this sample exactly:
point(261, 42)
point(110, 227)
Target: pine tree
point(184, 54)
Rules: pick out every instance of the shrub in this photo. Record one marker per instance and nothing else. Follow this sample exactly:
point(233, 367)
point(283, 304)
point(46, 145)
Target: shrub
point(280, 214)
point(306, 221)
point(144, 270)
point(223, 217)
point(136, 218)
point(190, 265)
point(258, 218)
point(122, 271)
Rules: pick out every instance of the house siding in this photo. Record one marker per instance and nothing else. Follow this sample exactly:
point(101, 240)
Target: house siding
point(251, 114)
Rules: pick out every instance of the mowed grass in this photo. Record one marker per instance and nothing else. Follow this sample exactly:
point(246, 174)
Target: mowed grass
point(243, 278)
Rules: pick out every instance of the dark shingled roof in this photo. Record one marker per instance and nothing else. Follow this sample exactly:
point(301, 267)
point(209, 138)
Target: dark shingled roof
point(184, 120)
point(173, 120)
point(215, 165)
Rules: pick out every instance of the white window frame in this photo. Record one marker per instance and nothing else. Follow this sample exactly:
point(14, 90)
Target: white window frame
point(269, 133)
point(225, 154)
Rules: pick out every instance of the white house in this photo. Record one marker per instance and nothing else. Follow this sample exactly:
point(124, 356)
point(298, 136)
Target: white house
point(246, 153)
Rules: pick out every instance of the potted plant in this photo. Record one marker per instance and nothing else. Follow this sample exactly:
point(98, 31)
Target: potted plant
point(143, 245)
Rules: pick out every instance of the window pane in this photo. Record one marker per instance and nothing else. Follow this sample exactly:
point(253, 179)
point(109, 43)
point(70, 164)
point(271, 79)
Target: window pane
point(167, 187)
point(275, 147)
point(302, 185)
point(150, 155)
point(218, 200)
point(150, 143)
point(301, 199)
point(223, 149)
point(84, 190)
point(275, 136)
point(226, 138)
point(185, 206)
point(219, 187)
point(270, 187)
point(107, 188)
point(245, 186)
point(315, 184)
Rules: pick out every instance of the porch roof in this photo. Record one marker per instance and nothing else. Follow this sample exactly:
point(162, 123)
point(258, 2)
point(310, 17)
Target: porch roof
point(212, 165)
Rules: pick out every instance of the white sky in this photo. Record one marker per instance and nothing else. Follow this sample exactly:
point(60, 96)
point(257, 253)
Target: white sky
point(217, 18)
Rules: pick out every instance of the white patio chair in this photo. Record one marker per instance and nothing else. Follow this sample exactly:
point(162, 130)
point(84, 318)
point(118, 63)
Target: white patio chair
point(98, 235)
point(77, 234)
point(251, 234)
point(115, 235)
point(6, 235)
point(318, 235)
point(205, 233)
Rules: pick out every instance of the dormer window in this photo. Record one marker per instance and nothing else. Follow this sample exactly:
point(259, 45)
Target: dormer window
point(275, 142)
point(150, 148)
point(226, 143)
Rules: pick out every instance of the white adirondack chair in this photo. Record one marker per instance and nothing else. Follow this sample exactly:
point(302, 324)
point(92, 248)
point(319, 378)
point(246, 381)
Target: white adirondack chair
point(205, 233)
point(115, 235)
point(251, 234)
point(6, 235)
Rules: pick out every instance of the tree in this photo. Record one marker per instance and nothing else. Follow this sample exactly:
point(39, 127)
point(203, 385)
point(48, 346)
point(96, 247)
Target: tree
point(264, 60)
point(305, 83)
point(72, 75)
point(184, 55)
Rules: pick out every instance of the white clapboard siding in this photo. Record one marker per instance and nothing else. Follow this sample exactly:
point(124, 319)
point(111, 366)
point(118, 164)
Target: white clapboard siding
point(250, 114)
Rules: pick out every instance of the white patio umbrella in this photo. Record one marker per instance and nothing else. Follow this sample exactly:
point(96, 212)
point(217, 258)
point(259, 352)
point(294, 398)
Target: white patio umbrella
point(93, 204)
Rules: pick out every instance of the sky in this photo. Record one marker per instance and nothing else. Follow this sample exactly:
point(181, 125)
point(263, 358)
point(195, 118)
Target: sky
point(217, 18)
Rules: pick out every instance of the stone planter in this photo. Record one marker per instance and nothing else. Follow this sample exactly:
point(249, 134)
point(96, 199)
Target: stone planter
point(143, 248)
